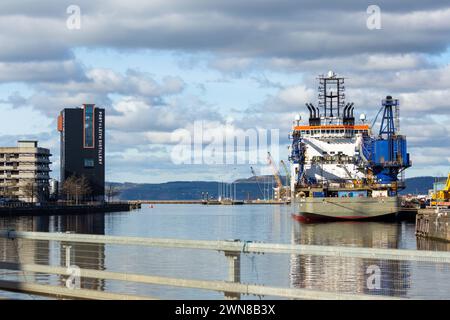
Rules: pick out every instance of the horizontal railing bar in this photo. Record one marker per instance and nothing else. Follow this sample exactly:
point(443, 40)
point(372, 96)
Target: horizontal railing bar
point(239, 246)
point(62, 292)
point(220, 286)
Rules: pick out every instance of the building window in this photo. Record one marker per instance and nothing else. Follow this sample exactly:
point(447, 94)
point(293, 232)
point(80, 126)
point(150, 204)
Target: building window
point(88, 126)
point(88, 163)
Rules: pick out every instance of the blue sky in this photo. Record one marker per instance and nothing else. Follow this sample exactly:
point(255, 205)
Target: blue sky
point(160, 66)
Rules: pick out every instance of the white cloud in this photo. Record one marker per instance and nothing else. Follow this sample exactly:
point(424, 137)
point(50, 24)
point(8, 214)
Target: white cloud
point(137, 115)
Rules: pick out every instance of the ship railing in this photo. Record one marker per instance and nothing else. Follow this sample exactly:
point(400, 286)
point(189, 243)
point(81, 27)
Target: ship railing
point(233, 250)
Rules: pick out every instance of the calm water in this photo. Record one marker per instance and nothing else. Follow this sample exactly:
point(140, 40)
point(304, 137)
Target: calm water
point(253, 223)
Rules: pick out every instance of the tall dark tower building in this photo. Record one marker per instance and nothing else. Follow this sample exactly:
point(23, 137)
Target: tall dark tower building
point(83, 146)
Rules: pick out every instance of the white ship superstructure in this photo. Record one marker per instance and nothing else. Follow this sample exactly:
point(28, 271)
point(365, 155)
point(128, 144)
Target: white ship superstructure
point(331, 153)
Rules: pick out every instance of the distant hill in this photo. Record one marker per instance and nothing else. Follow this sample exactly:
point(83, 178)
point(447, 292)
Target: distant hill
point(186, 190)
point(420, 185)
point(251, 188)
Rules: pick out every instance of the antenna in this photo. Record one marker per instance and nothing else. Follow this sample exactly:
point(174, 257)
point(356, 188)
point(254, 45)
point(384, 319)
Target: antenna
point(331, 94)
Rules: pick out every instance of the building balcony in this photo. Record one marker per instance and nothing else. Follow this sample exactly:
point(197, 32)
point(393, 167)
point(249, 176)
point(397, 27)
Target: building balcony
point(26, 159)
point(29, 168)
point(8, 168)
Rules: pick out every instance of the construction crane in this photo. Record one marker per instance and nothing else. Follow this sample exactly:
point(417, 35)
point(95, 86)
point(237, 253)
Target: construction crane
point(442, 197)
point(257, 182)
point(276, 174)
point(288, 175)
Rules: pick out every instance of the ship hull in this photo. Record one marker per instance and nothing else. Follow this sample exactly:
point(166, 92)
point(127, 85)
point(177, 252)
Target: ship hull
point(361, 208)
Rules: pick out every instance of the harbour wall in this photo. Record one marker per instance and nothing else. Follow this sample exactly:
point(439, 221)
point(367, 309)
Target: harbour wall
point(67, 209)
point(434, 224)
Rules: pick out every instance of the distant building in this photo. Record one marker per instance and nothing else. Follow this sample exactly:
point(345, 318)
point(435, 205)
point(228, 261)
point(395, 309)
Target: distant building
point(24, 172)
point(83, 146)
point(54, 189)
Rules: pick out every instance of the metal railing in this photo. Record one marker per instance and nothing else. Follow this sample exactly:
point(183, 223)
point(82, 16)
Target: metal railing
point(233, 249)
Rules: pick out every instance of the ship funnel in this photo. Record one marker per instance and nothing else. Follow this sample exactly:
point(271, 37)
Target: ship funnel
point(344, 113)
point(313, 110)
point(310, 111)
point(351, 108)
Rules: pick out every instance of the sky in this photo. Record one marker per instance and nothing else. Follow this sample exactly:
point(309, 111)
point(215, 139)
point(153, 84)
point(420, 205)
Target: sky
point(162, 67)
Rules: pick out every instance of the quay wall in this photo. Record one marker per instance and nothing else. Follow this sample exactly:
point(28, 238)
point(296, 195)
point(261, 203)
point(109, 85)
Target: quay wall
point(67, 209)
point(434, 224)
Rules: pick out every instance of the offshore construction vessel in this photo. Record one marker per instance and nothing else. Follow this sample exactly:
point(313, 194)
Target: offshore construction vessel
point(339, 169)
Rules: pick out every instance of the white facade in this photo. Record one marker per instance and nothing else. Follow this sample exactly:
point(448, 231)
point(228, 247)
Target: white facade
point(331, 170)
point(330, 156)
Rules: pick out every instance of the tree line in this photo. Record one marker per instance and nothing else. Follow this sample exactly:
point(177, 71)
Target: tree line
point(75, 188)
point(79, 189)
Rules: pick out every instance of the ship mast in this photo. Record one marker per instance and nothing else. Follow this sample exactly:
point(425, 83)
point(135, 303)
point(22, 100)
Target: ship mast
point(331, 95)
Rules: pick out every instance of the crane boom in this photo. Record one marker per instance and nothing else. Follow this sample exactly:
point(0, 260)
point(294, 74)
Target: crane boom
point(274, 170)
point(288, 175)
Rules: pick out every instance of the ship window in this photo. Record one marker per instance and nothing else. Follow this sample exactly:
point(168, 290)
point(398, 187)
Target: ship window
point(328, 131)
point(307, 131)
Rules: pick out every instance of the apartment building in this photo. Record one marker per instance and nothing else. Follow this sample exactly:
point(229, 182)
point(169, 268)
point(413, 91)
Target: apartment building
point(24, 172)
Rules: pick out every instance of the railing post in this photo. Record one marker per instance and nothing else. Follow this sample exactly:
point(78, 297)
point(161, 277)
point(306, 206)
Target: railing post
point(234, 272)
point(68, 255)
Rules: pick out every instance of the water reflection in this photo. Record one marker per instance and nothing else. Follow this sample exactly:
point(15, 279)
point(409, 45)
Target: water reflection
point(83, 255)
point(272, 224)
point(342, 274)
point(24, 251)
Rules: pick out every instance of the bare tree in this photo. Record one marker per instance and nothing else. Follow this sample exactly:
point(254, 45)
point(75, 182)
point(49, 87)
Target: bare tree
point(30, 190)
point(69, 187)
point(7, 191)
point(77, 188)
point(84, 187)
